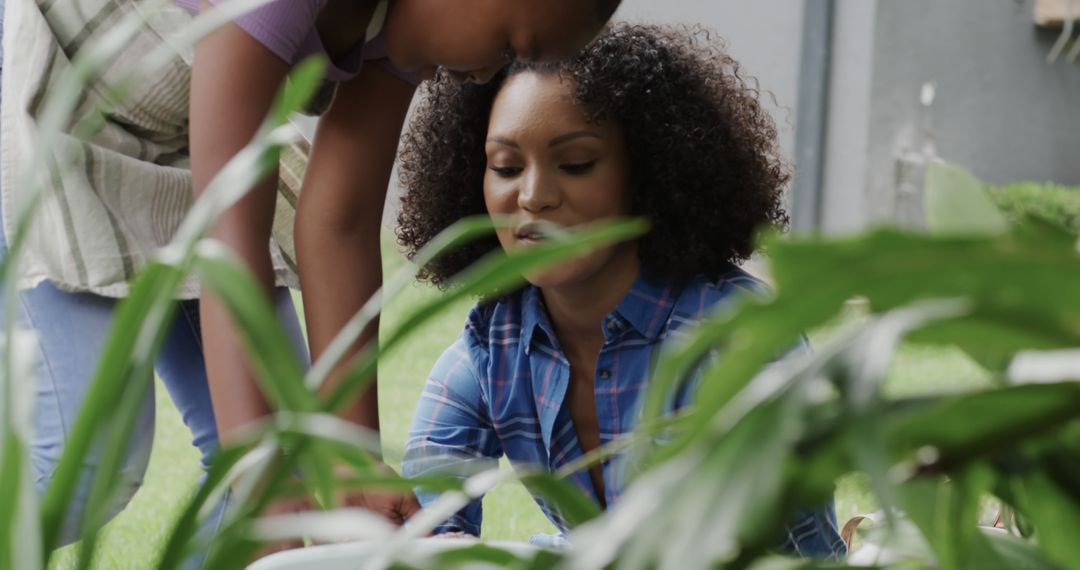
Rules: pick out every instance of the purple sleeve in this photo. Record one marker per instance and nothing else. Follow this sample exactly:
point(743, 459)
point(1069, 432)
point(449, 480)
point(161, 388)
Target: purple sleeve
point(283, 26)
point(287, 29)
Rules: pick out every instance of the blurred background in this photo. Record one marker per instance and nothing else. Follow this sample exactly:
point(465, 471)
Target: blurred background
point(864, 92)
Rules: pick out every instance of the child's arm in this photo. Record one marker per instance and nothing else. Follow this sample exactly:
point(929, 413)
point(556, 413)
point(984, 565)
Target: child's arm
point(339, 217)
point(452, 433)
point(234, 82)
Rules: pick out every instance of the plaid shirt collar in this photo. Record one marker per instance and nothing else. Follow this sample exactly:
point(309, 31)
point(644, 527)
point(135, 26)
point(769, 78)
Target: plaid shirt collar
point(646, 308)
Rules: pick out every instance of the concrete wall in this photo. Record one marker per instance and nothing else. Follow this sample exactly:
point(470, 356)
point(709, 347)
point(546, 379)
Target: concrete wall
point(764, 36)
point(848, 122)
point(998, 107)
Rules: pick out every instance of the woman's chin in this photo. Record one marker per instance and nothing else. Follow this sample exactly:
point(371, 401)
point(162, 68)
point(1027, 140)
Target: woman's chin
point(554, 278)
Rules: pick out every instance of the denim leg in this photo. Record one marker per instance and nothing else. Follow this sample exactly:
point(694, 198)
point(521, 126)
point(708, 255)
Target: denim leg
point(182, 368)
point(71, 330)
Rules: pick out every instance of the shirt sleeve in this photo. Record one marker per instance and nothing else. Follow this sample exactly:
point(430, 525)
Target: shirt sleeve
point(452, 433)
point(281, 25)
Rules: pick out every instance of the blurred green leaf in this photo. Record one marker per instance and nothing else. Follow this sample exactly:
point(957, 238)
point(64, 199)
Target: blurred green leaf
point(965, 427)
point(115, 375)
point(139, 326)
point(947, 513)
point(957, 203)
point(12, 471)
point(475, 556)
point(1057, 205)
point(304, 81)
point(572, 504)
point(118, 431)
point(177, 546)
point(460, 233)
point(1055, 514)
point(494, 273)
point(269, 349)
point(277, 366)
point(1016, 553)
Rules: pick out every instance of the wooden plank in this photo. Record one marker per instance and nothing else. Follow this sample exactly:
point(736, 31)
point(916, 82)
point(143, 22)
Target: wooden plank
point(1051, 13)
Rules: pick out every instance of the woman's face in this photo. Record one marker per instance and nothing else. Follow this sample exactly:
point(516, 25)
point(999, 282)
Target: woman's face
point(474, 39)
point(547, 163)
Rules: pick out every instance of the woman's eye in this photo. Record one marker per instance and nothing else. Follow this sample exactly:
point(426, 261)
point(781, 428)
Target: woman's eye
point(578, 167)
point(505, 171)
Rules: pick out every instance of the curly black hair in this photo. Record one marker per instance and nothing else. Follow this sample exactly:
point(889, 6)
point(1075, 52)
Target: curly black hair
point(705, 168)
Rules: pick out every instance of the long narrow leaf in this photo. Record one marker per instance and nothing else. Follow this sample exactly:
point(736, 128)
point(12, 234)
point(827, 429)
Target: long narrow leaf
point(496, 272)
point(153, 289)
point(573, 505)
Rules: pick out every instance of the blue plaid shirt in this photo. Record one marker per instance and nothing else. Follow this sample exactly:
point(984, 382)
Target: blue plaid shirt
point(501, 390)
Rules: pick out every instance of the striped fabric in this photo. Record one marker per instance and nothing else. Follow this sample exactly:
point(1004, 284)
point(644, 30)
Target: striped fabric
point(501, 388)
point(129, 187)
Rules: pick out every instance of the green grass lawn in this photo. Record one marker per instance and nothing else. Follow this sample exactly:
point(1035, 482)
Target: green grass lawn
point(133, 540)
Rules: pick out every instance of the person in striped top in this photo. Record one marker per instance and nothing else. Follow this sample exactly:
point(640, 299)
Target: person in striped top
point(647, 121)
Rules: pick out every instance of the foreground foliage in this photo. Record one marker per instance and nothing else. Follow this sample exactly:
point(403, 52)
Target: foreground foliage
point(762, 439)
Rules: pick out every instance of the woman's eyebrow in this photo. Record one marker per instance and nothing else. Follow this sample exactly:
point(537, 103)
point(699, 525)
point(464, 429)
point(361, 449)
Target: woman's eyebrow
point(561, 139)
point(503, 141)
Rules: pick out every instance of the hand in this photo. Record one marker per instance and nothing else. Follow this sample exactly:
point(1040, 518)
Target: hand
point(396, 506)
point(283, 506)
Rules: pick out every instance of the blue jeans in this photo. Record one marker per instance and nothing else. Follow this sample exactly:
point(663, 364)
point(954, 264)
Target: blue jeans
point(72, 329)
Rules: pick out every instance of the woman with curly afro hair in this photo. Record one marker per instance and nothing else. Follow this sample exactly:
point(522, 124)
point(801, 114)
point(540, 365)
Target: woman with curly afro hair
point(647, 121)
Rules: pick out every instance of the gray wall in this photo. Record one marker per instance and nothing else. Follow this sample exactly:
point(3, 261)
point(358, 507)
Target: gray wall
point(999, 108)
point(762, 35)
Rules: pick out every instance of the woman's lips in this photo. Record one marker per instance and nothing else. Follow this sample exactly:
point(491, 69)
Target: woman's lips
point(535, 232)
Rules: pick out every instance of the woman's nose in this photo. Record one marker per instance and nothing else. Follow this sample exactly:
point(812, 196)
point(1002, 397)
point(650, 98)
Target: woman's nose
point(538, 193)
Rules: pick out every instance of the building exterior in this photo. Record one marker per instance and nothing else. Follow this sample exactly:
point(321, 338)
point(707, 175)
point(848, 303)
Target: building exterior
point(867, 90)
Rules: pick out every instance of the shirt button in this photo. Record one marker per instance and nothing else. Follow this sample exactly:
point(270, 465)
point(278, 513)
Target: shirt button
point(612, 326)
point(605, 374)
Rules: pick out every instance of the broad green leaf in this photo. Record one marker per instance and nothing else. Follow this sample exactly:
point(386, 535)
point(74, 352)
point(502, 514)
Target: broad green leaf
point(1016, 553)
point(963, 428)
point(676, 515)
point(1013, 281)
point(1055, 514)
point(947, 513)
point(957, 203)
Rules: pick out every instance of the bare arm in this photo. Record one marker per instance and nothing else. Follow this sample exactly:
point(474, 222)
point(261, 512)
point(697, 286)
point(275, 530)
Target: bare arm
point(340, 212)
point(234, 81)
